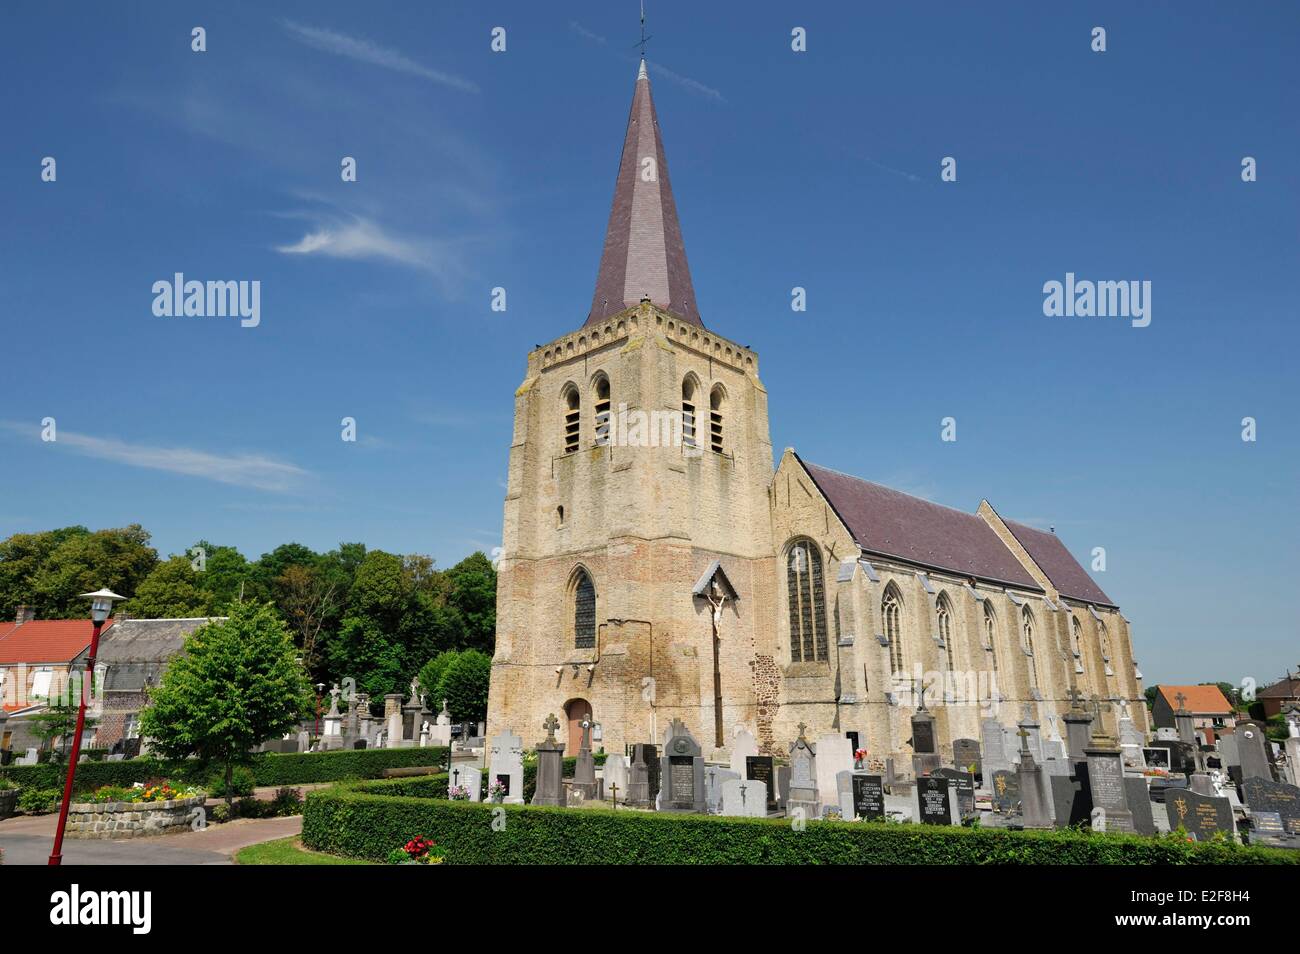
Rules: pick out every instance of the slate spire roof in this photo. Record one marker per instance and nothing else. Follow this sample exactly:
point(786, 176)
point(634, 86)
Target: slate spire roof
point(644, 256)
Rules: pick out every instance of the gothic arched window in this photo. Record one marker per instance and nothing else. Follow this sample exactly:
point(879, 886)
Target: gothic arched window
point(891, 617)
point(807, 594)
point(688, 411)
point(584, 610)
point(1076, 641)
point(990, 636)
point(1103, 640)
point(943, 610)
point(716, 399)
point(1027, 628)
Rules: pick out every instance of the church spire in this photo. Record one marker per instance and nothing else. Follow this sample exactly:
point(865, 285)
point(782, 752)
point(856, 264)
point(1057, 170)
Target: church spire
point(644, 256)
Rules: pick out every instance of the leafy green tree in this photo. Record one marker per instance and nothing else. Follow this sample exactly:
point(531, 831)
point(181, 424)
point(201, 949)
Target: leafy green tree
point(172, 591)
point(473, 594)
point(1151, 692)
point(21, 558)
point(430, 677)
point(237, 684)
point(229, 577)
point(464, 684)
point(119, 559)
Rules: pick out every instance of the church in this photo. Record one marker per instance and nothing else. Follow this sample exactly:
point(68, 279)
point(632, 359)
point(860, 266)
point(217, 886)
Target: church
point(657, 566)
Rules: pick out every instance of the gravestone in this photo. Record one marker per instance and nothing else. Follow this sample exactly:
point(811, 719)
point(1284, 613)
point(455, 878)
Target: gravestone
point(1106, 783)
point(834, 755)
point(1139, 803)
point(584, 772)
point(1266, 828)
point(615, 774)
point(1157, 758)
point(1228, 749)
point(744, 798)
point(506, 766)
point(1078, 733)
point(1006, 792)
point(782, 786)
point(1034, 811)
point(638, 779)
point(1265, 795)
point(844, 794)
point(681, 771)
point(1252, 747)
point(868, 796)
point(550, 766)
point(654, 769)
point(469, 776)
point(925, 755)
point(1203, 816)
point(964, 785)
point(743, 745)
point(1035, 739)
point(991, 747)
point(966, 753)
point(934, 802)
point(715, 776)
point(802, 796)
point(1071, 800)
point(760, 768)
point(1201, 784)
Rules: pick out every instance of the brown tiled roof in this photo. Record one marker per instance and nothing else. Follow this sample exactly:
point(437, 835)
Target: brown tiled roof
point(1282, 689)
point(891, 523)
point(1047, 550)
point(47, 641)
point(1202, 700)
point(644, 254)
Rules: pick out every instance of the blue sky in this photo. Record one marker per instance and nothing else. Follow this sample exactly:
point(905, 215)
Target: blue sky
point(479, 169)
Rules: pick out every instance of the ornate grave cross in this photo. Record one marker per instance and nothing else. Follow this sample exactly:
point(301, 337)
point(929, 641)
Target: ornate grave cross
point(1024, 740)
point(1182, 702)
point(1076, 698)
point(550, 725)
point(613, 788)
point(802, 727)
point(586, 732)
point(1098, 707)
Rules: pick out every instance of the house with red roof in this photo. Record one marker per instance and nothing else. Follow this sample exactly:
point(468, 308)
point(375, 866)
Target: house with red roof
point(1212, 713)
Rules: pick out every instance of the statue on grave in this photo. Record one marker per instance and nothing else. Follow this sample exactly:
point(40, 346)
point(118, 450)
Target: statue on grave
point(415, 691)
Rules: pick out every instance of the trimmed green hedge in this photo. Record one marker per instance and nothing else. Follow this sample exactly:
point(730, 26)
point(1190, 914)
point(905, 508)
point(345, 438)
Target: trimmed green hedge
point(359, 822)
point(269, 768)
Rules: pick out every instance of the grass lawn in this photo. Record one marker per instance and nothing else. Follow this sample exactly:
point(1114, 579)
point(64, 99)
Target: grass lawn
point(289, 851)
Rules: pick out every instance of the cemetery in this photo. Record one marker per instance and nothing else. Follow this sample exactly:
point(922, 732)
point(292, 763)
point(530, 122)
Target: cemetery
point(1028, 796)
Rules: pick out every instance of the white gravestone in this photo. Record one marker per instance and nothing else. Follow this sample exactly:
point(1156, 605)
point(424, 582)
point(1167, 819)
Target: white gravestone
point(507, 764)
point(834, 755)
point(744, 797)
point(468, 776)
point(743, 745)
point(615, 773)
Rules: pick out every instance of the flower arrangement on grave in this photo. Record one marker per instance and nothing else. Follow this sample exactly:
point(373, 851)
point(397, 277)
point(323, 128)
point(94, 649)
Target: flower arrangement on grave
point(418, 851)
point(497, 791)
point(1156, 773)
point(458, 793)
point(860, 757)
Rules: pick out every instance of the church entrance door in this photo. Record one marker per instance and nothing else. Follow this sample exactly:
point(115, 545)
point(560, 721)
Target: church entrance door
point(575, 710)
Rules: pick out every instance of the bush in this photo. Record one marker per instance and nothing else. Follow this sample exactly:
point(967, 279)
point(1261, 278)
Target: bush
point(269, 768)
point(242, 782)
point(39, 801)
point(287, 801)
point(359, 822)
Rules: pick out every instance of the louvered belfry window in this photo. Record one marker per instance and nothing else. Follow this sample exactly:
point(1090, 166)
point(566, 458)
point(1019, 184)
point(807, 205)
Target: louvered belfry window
point(807, 595)
point(572, 421)
point(602, 411)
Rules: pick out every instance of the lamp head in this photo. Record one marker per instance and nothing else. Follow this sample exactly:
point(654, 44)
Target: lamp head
point(101, 603)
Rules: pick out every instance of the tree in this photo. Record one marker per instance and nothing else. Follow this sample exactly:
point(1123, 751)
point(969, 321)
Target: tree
point(119, 559)
point(236, 685)
point(431, 678)
point(56, 726)
point(172, 591)
point(1151, 692)
point(21, 558)
point(464, 684)
point(228, 577)
point(473, 594)
point(307, 598)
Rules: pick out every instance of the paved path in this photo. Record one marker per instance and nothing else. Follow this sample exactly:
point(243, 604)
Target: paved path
point(27, 840)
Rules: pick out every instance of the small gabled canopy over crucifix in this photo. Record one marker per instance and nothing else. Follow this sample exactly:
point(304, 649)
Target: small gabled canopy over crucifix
point(715, 587)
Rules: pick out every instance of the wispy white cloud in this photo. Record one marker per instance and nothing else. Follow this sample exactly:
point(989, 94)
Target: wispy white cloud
point(586, 34)
point(365, 239)
point(365, 51)
point(695, 86)
point(255, 471)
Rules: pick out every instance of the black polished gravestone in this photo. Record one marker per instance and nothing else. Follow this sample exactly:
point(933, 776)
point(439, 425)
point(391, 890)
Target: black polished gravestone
point(934, 800)
point(868, 796)
point(1265, 795)
point(964, 784)
point(1157, 757)
point(1006, 792)
point(761, 768)
point(653, 770)
point(1202, 816)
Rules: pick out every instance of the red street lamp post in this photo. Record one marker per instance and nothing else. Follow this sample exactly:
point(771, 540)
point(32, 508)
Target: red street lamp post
point(100, 608)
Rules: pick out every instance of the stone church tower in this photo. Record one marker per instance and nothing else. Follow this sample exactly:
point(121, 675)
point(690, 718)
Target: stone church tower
point(656, 567)
point(639, 468)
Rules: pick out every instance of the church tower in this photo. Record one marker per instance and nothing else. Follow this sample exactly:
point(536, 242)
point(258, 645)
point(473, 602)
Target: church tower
point(637, 514)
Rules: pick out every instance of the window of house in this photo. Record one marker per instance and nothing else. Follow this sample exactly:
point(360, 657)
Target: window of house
point(132, 728)
point(807, 595)
point(41, 680)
